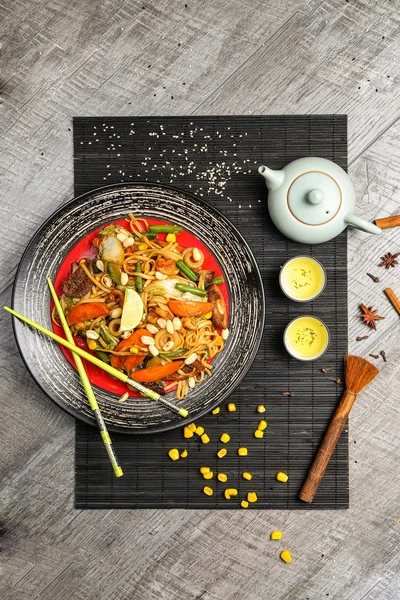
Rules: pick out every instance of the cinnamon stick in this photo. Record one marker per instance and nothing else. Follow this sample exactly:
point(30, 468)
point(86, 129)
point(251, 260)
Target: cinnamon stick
point(393, 299)
point(388, 222)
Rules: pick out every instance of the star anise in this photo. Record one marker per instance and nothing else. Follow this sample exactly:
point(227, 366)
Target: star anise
point(389, 260)
point(369, 316)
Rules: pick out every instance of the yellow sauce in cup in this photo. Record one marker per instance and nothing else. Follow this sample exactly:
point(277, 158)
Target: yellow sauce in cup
point(306, 338)
point(302, 278)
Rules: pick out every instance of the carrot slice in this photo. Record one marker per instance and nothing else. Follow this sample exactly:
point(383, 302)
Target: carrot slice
point(86, 312)
point(117, 361)
point(156, 373)
point(135, 339)
point(132, 361)
point(189, 309)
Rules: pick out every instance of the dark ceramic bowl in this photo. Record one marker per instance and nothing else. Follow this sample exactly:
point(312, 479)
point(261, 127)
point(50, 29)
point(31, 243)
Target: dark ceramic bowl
point(61, 232)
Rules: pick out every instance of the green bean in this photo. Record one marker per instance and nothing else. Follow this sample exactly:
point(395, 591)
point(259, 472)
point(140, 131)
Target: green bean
point(217, 280)
point(188, 288)
point(138, 280)
point(165, 229)
point(103, 356)
point(175, 353)
point(187, 271)
point(150, 236)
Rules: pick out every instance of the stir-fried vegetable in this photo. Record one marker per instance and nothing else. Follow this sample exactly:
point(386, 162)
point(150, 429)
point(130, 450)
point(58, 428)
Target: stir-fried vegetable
point(190, 309)
point(115, 272)
point(138, 280)
point(187, 271)
point(111, 250)
point(157, 373)
point(133, 340)
point(165, 288)
point(132, 362)
point(175, 353)
point(217, 281)
point(86, 312)
point(192, 290)
point(109, 339)
point(165, 229)
point(103, 356)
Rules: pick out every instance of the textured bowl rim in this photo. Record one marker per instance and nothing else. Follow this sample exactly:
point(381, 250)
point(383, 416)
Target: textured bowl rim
point(172, 424)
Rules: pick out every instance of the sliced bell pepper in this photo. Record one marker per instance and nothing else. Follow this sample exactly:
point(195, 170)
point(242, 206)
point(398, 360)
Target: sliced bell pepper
point(86, 312)
point(132, 361)
point(189, 309)
point(157, 373)
point(133, 340)
point(117, 361)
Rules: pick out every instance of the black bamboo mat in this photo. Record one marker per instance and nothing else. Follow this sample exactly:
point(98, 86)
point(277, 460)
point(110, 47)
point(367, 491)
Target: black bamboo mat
point(217, 158)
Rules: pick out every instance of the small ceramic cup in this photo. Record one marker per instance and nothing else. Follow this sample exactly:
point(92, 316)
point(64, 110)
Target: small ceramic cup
point(306, 338)
point(302, 278)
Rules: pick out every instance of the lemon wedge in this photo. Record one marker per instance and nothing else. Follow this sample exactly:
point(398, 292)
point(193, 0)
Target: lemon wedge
point(132, 310)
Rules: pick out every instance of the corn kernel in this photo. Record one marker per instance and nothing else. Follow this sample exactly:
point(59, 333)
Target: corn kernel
point(261, 408)
point(142, 247)
point(187, 433)
point(205, 439)
point(252, 497)
point(133, 350)
point(247, 476)
point(184, 453)
point(262, 425)
point(208, 491)
point(171, 238)
point(286, 556)
point(282, 477)
point(173, 454)
point(244, 504)
point(276, 535)
point(91, 344)
point(204, 470)
point(216, 410)
point(258, 434)
point(199, 430)
point(208, 315)
point(221, 453)
point(231, 407)
point(232, 491)
point(208, 475)
point(222, 477)
point(225, 438)
point(192, 427)
point(243, 451)
point(227, 494)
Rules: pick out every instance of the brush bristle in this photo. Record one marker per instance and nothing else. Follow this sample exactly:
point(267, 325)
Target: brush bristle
point(359, 373)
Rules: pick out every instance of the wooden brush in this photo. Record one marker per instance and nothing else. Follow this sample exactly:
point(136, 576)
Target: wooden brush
point(358, 374)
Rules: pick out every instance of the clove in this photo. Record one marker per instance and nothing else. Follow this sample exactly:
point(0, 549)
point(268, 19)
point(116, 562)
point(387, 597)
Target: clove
point(360, 338)
point(383, 354)
point(375, 279)
point(374, 355)
point(326, 369)
point(335, 379)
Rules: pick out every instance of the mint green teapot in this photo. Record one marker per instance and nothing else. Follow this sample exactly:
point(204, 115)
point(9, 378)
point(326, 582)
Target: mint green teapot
point(312, 200)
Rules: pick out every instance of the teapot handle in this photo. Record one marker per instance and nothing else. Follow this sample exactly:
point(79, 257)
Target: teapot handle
point(362, 224)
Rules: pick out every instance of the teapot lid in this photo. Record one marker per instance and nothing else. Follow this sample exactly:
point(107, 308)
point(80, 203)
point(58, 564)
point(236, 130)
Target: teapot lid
point(314, 197)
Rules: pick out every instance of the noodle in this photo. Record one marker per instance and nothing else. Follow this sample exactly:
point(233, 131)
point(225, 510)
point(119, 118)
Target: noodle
point(196, 335)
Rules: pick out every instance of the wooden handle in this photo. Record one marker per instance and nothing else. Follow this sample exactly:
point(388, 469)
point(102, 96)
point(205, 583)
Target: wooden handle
point(388, 222)
point(393, 299)
point(327, 447)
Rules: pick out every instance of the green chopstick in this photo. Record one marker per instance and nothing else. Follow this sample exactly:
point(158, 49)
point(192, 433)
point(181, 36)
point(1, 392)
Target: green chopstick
point(88, 388)
point(182, 412)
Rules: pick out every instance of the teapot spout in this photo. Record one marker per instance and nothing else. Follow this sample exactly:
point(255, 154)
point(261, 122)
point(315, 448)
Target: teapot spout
point(273, 179)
